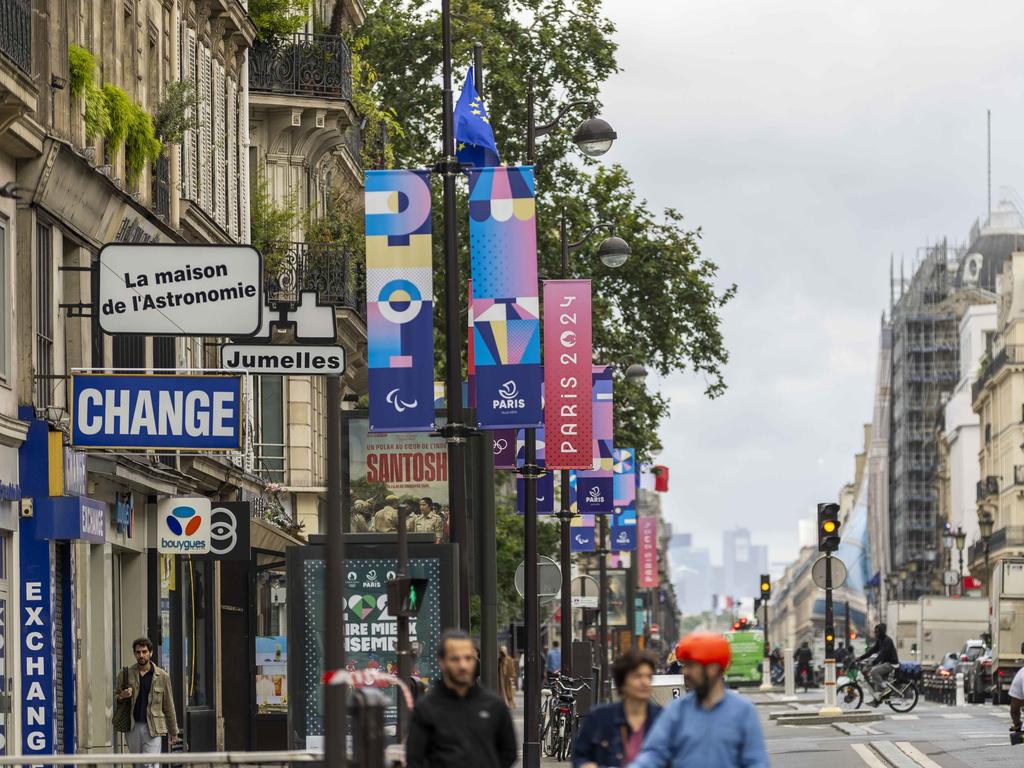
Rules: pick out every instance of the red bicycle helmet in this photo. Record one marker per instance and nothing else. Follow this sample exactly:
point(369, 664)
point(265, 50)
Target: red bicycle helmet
point(705, 648)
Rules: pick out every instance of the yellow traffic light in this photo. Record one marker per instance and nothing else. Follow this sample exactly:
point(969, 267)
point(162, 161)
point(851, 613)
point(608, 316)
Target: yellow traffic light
point(765, 586)
point(828, 638)
point(829, 526)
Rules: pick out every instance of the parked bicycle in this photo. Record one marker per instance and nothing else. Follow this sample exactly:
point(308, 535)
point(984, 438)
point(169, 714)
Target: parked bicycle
point(901, 692)
point(559, 718)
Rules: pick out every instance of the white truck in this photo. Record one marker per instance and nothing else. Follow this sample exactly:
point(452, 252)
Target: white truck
point(901, 618)
point(1007, 600)
point(945, 624)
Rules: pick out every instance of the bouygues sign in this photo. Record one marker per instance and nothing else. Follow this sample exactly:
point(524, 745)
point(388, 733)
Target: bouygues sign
point(568, 362)
point(184, 526)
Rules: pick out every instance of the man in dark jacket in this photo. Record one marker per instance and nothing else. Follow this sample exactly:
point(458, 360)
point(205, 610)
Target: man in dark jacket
point(886, 660)
point(458, 723)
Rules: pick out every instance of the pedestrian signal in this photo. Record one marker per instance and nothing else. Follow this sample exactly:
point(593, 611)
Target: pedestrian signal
point(828, 527)
point(405, 596)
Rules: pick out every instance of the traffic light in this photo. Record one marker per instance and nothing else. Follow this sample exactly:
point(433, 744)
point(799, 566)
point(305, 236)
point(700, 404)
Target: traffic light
point(757, 605)
point(766, 586)
point(828, 527)
point(405, 596)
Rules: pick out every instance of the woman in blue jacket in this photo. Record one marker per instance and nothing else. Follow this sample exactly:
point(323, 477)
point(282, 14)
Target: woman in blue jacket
point(611, 735)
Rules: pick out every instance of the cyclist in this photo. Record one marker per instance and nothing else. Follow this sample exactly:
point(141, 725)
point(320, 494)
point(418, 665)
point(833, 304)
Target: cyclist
point(1016, 699)
point(711, 727)
point(886, 660)
point(611, 734)
point(803, 658)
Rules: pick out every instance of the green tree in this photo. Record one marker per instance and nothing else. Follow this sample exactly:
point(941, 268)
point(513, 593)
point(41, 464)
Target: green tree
point(660, 309)
point(277, 20)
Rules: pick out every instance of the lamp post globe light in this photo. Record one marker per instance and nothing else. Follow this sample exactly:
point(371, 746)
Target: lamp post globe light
point(613, 252)
point(636, 373)
point(594, 137)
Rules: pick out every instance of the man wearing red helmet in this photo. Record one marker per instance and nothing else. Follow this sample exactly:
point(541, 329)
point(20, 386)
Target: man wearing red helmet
point(711, 727)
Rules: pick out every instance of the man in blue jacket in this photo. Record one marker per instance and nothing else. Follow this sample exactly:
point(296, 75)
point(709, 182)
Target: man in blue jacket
point(711, 727)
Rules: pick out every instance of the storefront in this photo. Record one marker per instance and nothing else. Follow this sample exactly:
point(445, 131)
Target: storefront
point(10, 501)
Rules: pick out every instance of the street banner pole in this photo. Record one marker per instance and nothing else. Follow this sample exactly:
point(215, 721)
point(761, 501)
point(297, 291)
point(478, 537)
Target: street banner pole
point(334, 637)
point(766, 662)
point(790, 675)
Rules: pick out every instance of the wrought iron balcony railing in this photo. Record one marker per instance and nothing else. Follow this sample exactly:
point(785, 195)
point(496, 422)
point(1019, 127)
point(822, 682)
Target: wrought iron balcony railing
point(338, 275)
point(16, 32)
point(306, 65)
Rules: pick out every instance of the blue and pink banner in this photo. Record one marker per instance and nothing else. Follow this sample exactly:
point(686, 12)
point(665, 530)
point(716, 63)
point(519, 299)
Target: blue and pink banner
point(506, 309)
point(596, 485)
point(623, 530)
point(545, 486)
point(399, 301)
point(583, 527)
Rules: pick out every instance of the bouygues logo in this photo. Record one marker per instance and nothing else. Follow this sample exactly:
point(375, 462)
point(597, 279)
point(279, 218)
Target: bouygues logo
point(184, 526)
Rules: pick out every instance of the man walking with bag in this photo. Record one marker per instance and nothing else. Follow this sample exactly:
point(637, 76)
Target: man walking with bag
point(152, 707)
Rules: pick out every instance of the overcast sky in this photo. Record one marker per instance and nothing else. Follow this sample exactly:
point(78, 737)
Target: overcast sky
point(810, 141)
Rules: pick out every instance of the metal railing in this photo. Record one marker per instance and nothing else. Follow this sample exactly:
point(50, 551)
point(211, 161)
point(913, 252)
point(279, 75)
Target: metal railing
point(16, 32)
point(354, 143)
point(337, 274)
point(1010, 354)
point(305, 65)
point(162, 186)
point(988, 486)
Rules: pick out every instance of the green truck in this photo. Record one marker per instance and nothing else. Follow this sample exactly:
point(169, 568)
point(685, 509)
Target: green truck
point(747, 653)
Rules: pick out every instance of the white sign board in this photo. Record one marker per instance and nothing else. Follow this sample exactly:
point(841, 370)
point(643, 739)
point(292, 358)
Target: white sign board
point(581, 601)
point(180, 290)
point(282, 359)
point(950, 578)
point(184, 526)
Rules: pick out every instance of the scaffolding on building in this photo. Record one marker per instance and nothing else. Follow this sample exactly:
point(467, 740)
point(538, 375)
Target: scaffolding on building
point(925, 369)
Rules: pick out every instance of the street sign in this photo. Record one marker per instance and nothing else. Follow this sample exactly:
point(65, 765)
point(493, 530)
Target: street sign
point(838, 572)
point(549, 581)
point(585, 590)
point(183, 526)
point(180, 290)
point(156, 412)
point(950, 578)
point(282, 359)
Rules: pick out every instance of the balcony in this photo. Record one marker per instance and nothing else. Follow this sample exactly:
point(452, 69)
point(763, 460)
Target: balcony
point(319, 66)
point(988, 486)
point(337, 274)
point(1010, 354)
point(16, 33)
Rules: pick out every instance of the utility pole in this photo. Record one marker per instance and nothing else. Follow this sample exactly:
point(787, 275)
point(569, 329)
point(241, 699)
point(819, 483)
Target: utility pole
point(602, 553)
point(455, 431)
point(335, 722)
point(404, 652)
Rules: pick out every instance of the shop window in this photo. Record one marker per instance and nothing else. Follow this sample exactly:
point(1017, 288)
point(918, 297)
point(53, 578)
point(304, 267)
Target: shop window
point(271, 640)
point(197, 635)
point(163, 353)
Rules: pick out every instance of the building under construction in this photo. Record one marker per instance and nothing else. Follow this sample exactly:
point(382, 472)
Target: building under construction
point(925, 321)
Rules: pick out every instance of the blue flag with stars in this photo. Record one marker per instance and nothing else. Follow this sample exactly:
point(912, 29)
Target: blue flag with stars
point(474, 137)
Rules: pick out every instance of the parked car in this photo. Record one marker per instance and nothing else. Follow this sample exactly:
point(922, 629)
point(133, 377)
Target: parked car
point(972, 650)
point(978, 678)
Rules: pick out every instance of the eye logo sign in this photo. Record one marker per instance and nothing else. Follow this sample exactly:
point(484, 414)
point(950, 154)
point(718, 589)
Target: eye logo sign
point(184, 526)
point(397, 403)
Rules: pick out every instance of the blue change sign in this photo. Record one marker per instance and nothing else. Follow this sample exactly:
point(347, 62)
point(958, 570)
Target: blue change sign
point(158, 412)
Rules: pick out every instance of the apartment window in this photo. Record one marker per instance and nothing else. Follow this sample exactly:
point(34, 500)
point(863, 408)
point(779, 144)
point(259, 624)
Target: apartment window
point(44, 316)
point(269, 403)
point(129, 352)
point(5, 303)
point(164, 352)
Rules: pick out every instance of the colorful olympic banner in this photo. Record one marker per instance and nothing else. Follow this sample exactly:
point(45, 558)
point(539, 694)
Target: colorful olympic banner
point(568, 364)
point(584, 527)
point(506, 311)
point(545, 486)
point(647, 553)
point(624, 522)
point(399, 301)
point(596, 486)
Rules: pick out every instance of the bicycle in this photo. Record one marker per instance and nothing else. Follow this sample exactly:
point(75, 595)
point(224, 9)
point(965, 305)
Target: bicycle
point(560, 720)
point(900, 694)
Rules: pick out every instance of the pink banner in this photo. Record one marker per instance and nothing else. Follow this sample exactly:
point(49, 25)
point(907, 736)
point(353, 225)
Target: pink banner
point(647, 553)
point(568, 360)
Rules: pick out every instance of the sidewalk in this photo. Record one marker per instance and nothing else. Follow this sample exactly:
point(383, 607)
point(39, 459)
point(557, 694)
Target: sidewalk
point(517, 719)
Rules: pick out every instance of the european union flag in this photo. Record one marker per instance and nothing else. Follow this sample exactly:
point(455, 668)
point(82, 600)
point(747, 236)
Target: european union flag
point(474, 137)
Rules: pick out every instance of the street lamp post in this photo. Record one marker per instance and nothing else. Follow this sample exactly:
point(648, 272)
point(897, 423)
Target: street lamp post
point(986, 522)
point(594, 137)
point(961, 540)
point(613, 252)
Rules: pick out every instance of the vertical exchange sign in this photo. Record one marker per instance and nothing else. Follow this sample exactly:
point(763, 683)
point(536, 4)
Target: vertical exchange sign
point(568, 364)
point(399, 301)
point(595, 487)
point(506, 310)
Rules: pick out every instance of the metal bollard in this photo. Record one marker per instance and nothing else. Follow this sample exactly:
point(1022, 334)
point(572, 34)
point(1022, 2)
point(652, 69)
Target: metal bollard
point(961, 696)
point(368, 707)
point(789, 672)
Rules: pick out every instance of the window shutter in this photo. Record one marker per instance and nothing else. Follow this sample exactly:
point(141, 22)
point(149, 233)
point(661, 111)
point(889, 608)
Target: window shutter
point(232, 153)
point(206, 131)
